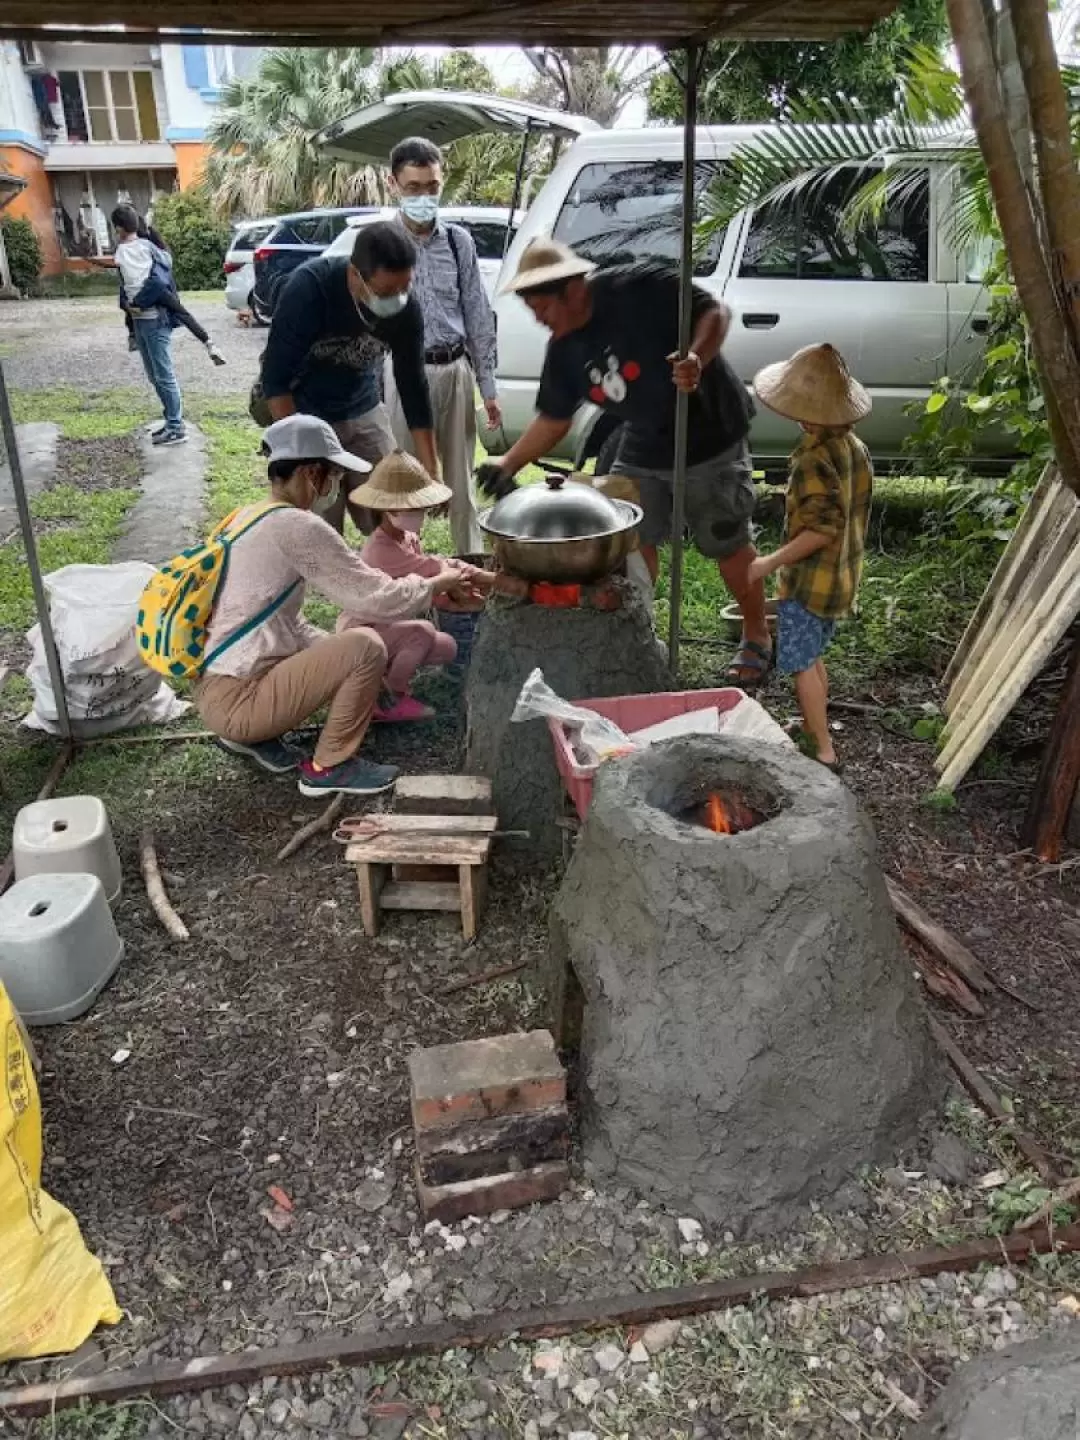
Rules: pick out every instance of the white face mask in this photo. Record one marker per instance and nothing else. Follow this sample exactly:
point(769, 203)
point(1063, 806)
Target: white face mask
point(384, 307)
point(420, 209)
point(323, 504)
point(411, 521)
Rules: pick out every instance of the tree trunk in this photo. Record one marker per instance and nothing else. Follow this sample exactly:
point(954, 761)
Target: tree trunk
point(1051, 336)
point(1059, 773)
point(1059, 183)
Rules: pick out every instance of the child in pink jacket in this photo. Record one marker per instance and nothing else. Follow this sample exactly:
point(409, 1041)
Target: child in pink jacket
point(402, 492)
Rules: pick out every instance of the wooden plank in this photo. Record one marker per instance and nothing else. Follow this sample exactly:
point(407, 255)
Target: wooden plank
point(473, 892)
point(390, 823)
point(1008, 562)
point(1045, 514)
point(345, 1351)
point(420, 895)
point(983, 1094)
point(945, 946)
point(420, 850)
point(442, 794)
point(372, 882)
point(1028, 654)
point(1052, 562)
point(1059, 772)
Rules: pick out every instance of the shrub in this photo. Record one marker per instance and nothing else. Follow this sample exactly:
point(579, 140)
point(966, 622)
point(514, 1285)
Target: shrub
point(23, 251)
point(197, 239)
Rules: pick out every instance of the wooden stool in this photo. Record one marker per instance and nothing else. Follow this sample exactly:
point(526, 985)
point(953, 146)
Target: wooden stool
point(462, 842)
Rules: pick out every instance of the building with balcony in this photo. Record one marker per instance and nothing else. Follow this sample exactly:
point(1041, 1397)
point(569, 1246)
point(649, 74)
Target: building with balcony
point(89, 126)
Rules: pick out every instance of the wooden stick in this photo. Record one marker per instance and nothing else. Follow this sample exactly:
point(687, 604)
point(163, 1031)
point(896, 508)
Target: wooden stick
point(325, 821)
point(338, 1351)
point(1064, 1196)
point(483, 977)
point(155, 888)
point(937, 939)
point(981, 1092)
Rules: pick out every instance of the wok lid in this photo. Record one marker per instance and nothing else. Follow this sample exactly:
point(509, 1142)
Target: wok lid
point(567, 511)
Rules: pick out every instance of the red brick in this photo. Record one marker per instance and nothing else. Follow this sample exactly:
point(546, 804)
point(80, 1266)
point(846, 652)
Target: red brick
point(480, 1079)
point(488, 1193)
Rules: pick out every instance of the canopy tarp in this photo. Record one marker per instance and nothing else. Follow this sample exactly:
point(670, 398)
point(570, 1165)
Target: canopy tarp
point(439, 22)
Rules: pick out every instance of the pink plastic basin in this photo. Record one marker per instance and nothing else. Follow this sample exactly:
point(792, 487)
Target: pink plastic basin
point(629, 712)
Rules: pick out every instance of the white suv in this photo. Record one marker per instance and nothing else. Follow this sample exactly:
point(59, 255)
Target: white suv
point(902, 306)
point(486, 224)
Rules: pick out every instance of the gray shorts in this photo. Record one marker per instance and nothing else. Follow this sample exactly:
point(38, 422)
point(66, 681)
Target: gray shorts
point(719, 502)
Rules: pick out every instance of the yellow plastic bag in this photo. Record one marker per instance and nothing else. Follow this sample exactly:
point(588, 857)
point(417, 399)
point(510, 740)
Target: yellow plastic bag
point(53, 1292)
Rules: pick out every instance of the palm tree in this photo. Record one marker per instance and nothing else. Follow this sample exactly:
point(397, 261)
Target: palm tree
point(595, 82)
point(263, 157)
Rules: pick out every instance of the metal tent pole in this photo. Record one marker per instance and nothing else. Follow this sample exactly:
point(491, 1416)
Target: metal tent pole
point(26, 525)
point(682, 400)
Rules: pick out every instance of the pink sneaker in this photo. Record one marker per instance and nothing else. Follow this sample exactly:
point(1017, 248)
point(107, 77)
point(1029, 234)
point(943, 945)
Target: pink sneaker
point(403, 709)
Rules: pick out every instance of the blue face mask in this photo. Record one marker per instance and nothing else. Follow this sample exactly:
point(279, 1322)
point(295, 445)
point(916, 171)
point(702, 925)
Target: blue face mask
point(385, 306)
point(420, 209)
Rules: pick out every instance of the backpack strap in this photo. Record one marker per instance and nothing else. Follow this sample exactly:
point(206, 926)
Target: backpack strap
point(249, 625)
point(452, 237)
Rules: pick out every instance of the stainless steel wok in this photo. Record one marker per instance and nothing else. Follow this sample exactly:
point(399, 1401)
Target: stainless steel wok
point(562, 532)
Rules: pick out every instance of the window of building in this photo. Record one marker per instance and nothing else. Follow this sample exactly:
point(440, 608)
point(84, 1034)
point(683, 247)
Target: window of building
point(802, 237)
point(632, 210)
point(106, 106)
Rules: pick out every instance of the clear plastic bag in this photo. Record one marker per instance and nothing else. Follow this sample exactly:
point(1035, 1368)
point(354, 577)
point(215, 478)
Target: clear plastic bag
point(593, 737)
point(751, 721)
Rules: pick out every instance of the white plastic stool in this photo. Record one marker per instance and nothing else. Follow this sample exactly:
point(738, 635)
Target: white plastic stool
point(67, 836)
point(58, 946)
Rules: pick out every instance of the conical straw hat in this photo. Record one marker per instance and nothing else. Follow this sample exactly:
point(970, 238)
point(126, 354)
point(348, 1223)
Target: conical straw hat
point(544, 262)
point(813, 387)
point(400, 482)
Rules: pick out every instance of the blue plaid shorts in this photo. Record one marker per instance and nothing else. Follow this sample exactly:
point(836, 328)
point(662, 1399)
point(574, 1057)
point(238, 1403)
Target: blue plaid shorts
point(801, 637)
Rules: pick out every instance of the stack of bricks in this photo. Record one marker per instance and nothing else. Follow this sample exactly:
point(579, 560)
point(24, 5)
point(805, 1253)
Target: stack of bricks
point(491, 1125)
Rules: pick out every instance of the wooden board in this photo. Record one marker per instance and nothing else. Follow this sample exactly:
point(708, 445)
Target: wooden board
point(925, 928)
point(442, 794)
point(420, 850)
point(420, 895)
point(391, 823)
point(605, 1312)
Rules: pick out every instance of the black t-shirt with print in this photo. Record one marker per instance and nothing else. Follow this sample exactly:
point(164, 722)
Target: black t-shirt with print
point(619, 361)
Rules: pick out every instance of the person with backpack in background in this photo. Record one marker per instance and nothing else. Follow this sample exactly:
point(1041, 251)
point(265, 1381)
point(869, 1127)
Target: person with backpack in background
point(170, 299)
point(459, 331)
point(229, 615)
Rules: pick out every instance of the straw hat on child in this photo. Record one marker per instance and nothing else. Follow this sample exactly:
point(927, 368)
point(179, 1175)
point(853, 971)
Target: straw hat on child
point(400, 482)
point(813, 387)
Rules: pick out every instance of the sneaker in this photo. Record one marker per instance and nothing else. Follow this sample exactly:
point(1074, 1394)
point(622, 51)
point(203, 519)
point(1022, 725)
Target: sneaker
point(155, 430)
point(272, 755)
point(401, 709)
point(214, 353)
point(169, 437)
point(352, 777)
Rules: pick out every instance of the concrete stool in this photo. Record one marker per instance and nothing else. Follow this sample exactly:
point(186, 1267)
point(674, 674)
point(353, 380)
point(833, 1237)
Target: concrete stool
point(67, 836)
point(58, 946)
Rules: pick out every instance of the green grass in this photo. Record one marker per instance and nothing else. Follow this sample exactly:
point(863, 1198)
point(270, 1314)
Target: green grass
point(86, 414)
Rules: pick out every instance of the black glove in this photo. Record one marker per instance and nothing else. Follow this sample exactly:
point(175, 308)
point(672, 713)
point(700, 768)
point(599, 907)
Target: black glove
point(494, 481)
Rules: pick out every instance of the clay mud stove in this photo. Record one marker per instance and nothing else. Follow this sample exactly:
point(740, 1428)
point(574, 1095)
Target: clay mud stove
point(747, 1027)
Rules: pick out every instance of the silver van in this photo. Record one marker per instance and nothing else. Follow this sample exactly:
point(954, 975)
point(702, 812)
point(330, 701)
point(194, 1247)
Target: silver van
point(899, 302)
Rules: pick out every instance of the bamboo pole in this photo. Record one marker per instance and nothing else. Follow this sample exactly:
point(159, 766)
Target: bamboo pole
point(1059, 773)
point(1051, 336)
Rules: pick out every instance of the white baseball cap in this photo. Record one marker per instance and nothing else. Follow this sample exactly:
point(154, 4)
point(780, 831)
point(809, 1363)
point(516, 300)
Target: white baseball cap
point(306, 437)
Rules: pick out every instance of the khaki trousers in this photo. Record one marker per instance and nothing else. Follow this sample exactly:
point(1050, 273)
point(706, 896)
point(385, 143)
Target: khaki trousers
point(343, 670)
point(453, 401)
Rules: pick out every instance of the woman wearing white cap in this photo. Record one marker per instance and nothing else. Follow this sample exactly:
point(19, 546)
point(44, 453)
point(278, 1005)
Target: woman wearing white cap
point(274, 670)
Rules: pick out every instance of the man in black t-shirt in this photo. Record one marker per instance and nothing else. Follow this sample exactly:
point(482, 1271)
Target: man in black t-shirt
point(335, 320)
point(614, 341)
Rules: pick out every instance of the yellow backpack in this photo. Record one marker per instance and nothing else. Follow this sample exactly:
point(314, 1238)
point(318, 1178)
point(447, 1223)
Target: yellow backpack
point(176, 606)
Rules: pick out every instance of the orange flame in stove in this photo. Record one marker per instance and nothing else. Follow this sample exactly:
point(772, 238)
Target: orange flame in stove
point(717, 817)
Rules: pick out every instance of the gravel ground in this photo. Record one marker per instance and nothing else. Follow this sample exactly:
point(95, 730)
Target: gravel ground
point(50, 343)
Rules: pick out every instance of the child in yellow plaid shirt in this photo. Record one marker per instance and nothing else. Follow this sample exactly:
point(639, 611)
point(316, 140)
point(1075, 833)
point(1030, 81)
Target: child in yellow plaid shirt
point(830, 486)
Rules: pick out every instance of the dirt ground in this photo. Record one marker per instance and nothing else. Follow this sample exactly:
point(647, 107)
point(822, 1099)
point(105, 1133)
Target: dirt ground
point(269, 1051)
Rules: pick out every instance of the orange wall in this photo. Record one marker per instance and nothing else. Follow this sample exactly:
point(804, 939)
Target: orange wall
point(190, 159)
point(36, 201)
